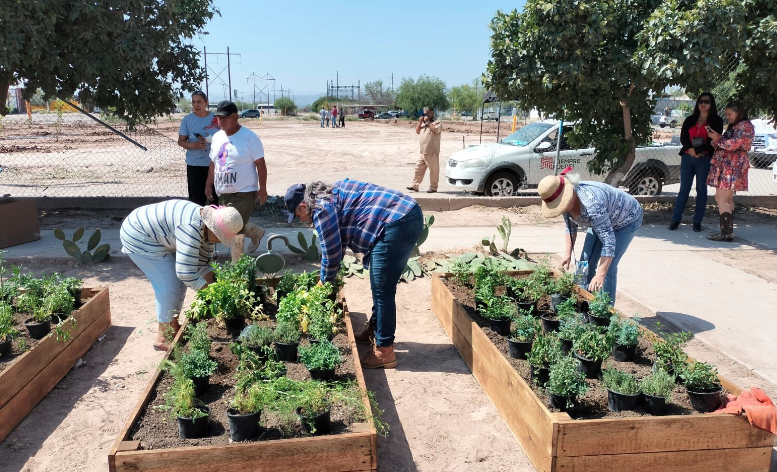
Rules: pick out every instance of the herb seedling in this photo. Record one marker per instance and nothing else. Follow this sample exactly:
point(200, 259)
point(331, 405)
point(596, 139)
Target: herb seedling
point(620, 382)
point(321, 356)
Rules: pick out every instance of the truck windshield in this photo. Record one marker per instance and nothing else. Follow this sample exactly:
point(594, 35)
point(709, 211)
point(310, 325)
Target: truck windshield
point(527, 134)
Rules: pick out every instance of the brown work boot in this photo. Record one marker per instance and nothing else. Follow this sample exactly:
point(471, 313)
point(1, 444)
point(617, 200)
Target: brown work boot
point(380, 357)
point(367, 336)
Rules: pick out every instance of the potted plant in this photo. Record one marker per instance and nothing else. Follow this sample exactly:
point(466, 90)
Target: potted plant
point(198, 366)
point(600, 309)
point(181, 401)
point(244, 413)
point(525, 329)
point(321, 359)
point(656, 389)
point(60, 302)
point(314, 408)
point(291, 307)
point(545, 351)
point(197, 337)
point(228, 302)
point(563, 288)
point(320, 316)
point(499, 313)
point(624, 333)
point(703, 385)
point(285, 285)
point(7, 331)
point(669, 351)
point(622, 390)
point(286, 339)
point(40, 324)
point(591, 348)
point(570, 329)
point(565, 383)
point(258, 339)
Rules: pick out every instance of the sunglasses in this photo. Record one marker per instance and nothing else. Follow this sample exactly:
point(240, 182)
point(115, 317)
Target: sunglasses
point(704, 102)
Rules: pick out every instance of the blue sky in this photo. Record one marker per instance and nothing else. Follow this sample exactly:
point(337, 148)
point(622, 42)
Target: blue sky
point(302, 44)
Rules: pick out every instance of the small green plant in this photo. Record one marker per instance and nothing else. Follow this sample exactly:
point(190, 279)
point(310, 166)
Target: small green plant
point(197, 336)
point(86, 256)
point(286, 283)
point(7, 330)
point(59, 301)
point(658, 384)
point(21, 345)
point(242, 272)
point(256, 337)
point(321, 316)
point(700, 377)
point(624, 331)
point(197, 364)
point(500, 308)
point(565, 379)
point(224, 300)
point(545, 351)
point(320, 356)
point(312, 401)
point(567, 308)
point(620, 382)
point(525, 328)
point(571, 328)
point(669, 350)
point(285, 334)
point(601, 305)
point(181, 401)
point(461, 273)
point(250, 401)
point(541, 280)
point(565, 285)
point(290, 309)
point(592, 345)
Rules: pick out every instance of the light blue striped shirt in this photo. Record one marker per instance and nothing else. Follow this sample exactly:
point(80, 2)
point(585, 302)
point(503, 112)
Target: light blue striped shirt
point(170, 227)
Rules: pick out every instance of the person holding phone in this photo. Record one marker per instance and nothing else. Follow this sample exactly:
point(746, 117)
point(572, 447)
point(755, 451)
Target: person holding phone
point(195, 134)
point(730, 165)
point(429, 139)
point(696, 155)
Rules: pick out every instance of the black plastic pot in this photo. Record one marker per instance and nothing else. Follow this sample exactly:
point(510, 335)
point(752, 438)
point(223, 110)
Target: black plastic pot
point(5, 347)
point(55, 319)
point(519, 349)
point(286, 352)
point(243, 427)
point(566, 346)
point(322, 374)
point(502, 327)
point(557, 299)
point(317, 425)
point(589, 367)
point(531, 307)
point(550, 324)
point(656, 406)
point(560, 401)
point(705, 402)
point(583, 307)
point(624, 353)
point(235, 325)
point(599, 321)
point(621, 402)
point(200, 385)
point(193, 428)
point(540, 375)
point(38, 330)
point(78, 303)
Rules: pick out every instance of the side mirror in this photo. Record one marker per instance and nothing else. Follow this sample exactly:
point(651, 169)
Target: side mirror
point(543, 146)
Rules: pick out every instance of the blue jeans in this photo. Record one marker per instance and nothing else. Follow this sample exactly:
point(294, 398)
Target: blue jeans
point(387, 261)
point(592, 250)
point(322, 122)
point(691, 167)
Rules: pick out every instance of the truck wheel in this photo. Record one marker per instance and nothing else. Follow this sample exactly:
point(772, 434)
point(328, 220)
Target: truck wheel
point(501, 184)
point(760, 162)
point(649, 183)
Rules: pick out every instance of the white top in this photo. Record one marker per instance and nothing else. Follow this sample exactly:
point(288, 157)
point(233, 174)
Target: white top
point(234, 160)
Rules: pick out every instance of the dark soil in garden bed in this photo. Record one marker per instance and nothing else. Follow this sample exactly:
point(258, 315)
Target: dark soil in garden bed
point(23, 341)
point(594, 403)
point(157, 430)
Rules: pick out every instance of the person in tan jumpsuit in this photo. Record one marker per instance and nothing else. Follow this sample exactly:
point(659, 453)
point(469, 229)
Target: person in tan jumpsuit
point(429, 139)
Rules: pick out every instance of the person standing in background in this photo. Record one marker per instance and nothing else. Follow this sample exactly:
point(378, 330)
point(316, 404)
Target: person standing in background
point(342, 117)
point(334, 117)
point(328, 116)
point(323, 116)
point(197, 130)
point(429, 131)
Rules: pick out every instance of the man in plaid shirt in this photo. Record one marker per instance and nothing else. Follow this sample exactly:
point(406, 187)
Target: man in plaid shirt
point(380, 223)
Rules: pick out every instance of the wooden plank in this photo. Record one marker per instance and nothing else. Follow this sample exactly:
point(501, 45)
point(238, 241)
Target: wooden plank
point(20, 373)
point(659, 434)
point(37, 389)
point(344, 452)
point(129, 446)
point(718, 460)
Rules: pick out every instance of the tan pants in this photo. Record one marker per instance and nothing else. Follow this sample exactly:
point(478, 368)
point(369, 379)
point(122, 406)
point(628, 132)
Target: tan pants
point(432, 162)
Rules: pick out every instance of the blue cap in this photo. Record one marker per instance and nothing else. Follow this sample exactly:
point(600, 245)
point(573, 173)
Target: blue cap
point(294, 196)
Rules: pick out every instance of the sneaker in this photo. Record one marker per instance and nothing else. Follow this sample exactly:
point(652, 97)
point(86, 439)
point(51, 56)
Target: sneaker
point(674, 225)
point(412, 189)
point(380, 357)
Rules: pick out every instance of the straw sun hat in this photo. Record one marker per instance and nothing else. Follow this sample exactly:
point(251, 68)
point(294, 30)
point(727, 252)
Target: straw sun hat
point(225, 222)
point(556, 192)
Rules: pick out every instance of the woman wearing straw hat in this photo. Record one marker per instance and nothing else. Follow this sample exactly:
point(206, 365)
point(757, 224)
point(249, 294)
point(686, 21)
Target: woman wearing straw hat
point(611, 216)
point(173, 243)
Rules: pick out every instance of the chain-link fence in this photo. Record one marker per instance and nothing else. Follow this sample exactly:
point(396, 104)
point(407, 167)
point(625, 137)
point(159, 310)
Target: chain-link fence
point(67, 154)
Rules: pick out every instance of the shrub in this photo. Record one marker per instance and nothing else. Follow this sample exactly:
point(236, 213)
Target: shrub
point(601, 305)
point(541, 281)
point(571, 328)
point(250, 401)
point(197, 336)
point(658, 384)
point(565, 285)
point(256, 337)
point(669, 350)
point(321, 356)
point(286, 334)
point(525, 328)
point(197, 364)
point(545, 351)
point(565, 379)
point(59, 301)
point(592, 345)
point(224, 300)
point(624, 331)
point(620, 382)
point(567, 308)
point(500, 308)
point(241, 273)
point(700, 377)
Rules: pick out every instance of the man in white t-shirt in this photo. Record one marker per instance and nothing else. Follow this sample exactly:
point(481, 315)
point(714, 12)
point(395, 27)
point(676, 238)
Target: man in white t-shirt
point(239, 173)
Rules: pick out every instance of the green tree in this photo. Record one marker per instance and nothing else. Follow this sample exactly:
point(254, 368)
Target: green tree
point(134, 57)
point(466, 97)
point(322, 102)
point(413, 95)
point(285, 105)
point(377, 94)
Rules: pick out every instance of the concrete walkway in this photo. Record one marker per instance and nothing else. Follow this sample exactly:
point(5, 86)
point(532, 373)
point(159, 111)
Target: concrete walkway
point(667, 271)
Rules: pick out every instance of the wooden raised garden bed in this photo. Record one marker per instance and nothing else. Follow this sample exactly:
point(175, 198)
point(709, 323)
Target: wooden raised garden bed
point(554, 441)
point(29, 378)
point(355, 450)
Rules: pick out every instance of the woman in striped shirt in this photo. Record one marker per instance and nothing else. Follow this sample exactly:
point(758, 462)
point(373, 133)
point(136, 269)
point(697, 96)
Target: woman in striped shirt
point(173, 243)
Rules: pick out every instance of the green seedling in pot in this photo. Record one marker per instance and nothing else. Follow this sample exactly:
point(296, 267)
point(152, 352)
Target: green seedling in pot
point(500, 308)
point(601, 305)
point(658, 384)
point(545, 351)
point(700, 377)
point(565, 380)
point(669, 350)
point(181, 401)
point(257, 337)
point(565, 285)
point(321, 356)
point(571, 328)
point(197, 336)
point(525, 328)
point(592, 345)
point(624, 331)
point(251, 400)
point(620, 382)
point(7, 330)
point(86, 256)
point(286, 333)
point(567, 308)
point(197, 364)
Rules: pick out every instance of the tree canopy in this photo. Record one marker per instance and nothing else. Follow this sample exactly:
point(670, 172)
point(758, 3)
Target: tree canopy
point(285, 105)
point(378, 94)
point(414, 95)
point(466, 97)
point(132, 57)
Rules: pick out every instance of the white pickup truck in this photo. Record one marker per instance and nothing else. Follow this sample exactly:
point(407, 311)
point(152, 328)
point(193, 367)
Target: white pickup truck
point(764, 150)
point(522, 159)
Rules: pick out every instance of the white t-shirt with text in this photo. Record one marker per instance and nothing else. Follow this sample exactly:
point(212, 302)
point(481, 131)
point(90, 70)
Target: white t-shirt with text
point(234, 161)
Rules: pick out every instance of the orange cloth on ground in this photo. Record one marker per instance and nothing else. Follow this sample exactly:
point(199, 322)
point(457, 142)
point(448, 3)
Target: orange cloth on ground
point(759, 408)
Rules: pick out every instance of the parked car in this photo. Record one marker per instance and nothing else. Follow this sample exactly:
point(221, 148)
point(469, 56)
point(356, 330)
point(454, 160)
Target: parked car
point(764, 150)
point(524, 157)
point(366, 115)
point(250, 114)
point(393, 113)
point(384, 116)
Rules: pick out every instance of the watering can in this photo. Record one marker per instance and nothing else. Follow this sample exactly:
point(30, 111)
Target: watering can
point(270, 262)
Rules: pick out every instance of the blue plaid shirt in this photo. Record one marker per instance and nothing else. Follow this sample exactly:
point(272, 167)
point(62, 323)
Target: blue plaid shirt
point(354, 217)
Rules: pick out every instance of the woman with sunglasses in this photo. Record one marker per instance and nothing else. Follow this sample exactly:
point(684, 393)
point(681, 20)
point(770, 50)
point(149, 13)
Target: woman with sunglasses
point(696, 155)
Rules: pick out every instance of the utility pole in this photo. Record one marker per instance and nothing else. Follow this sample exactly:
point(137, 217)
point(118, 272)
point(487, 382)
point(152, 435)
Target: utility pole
point(338, 83)
point(205, 54)
point(218, 75)
point(229, 75)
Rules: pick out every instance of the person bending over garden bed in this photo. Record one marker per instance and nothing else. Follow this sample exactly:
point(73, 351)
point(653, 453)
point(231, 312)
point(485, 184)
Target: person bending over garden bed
point(382, 224)
point(612, 217)
point(173, 243)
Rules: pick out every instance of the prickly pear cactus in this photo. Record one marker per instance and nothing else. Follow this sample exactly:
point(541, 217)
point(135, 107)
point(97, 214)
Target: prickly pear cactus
point(86, 256)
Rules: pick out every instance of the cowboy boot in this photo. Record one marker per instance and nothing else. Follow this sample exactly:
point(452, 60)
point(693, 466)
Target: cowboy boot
point(729, 222)
point(367, 336)
point(726, 225)
point(237, 247)
point(256, 234)
point(380, 357)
